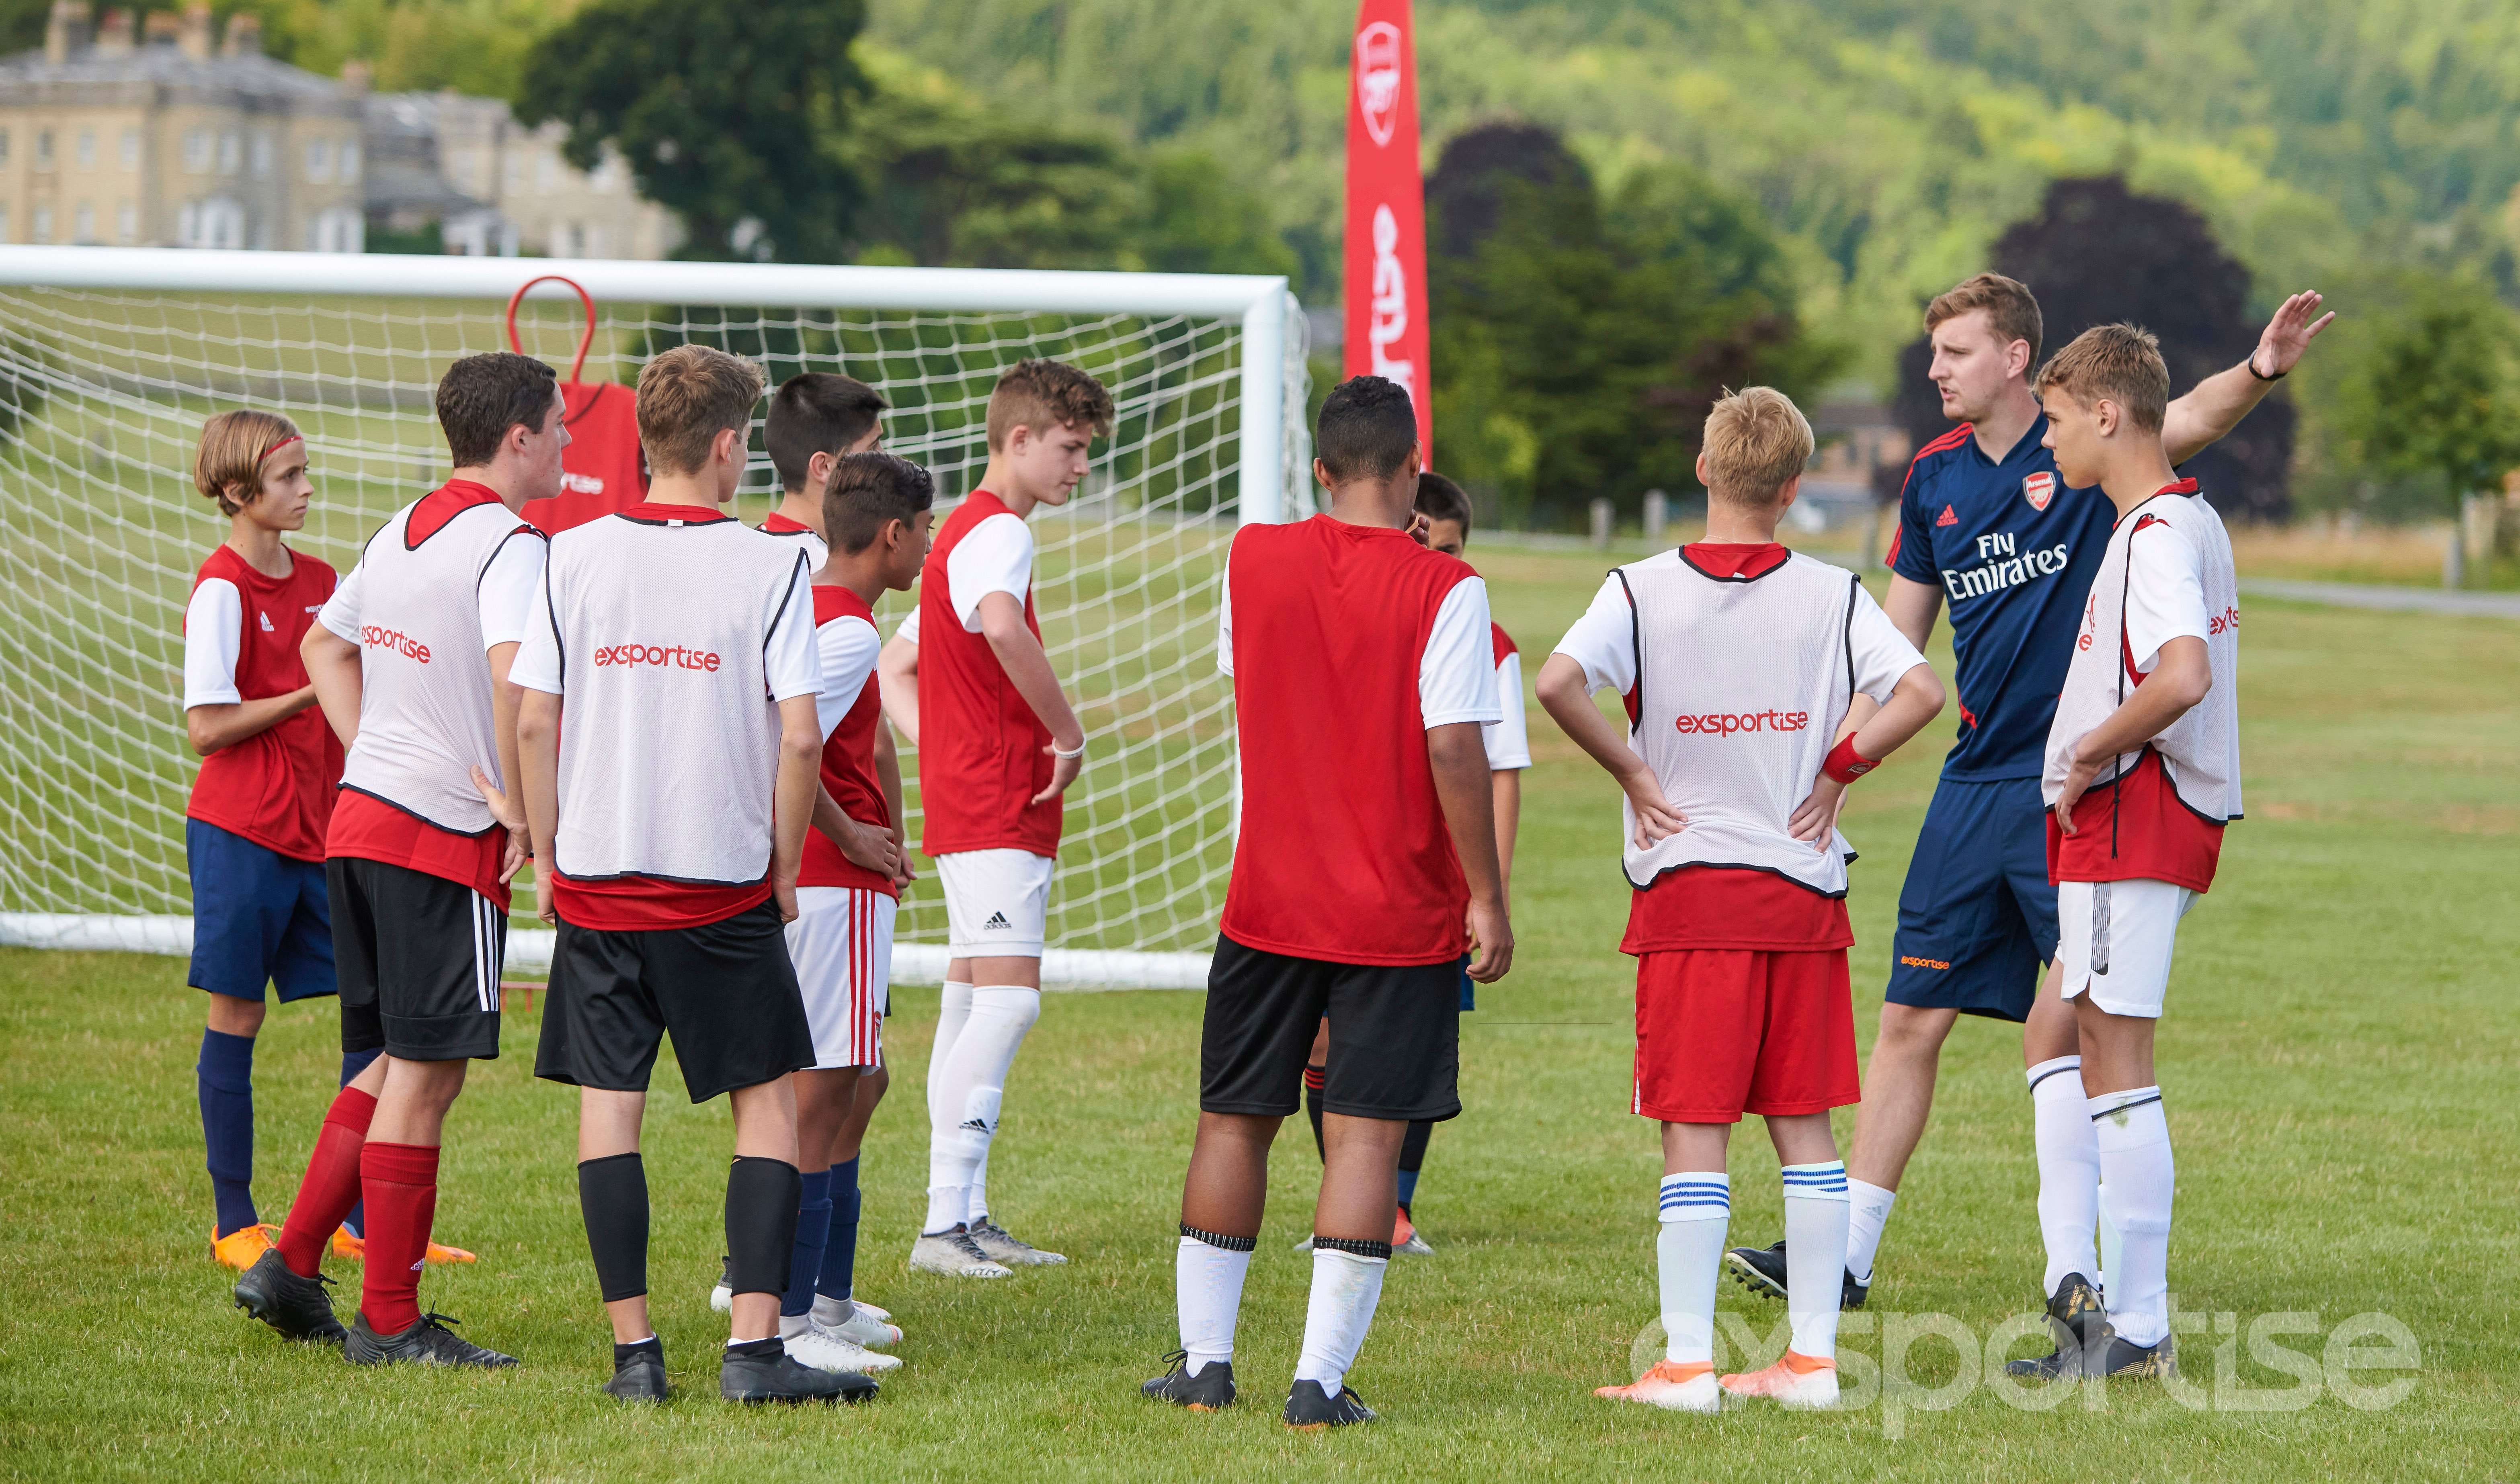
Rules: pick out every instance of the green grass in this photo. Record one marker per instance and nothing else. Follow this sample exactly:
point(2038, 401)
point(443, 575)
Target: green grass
point(2338, 1058)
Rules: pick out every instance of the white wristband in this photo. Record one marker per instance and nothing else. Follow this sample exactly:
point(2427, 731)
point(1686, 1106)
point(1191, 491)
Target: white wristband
point(1055, 751)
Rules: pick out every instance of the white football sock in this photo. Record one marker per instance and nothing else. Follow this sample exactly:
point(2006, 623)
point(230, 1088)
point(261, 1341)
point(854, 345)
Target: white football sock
point(953, 1012)
point(1867, 1210)
point(2069, 1169)
point(1345, 1289)
point(1815, 1254)
point(979, 1203)
point(1689, 1259)
point(2138, 1182)
point(967, 1091)
point(1208, 1291)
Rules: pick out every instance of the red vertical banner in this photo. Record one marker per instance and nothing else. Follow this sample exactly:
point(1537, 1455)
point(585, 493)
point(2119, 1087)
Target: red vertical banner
point(1387, 212)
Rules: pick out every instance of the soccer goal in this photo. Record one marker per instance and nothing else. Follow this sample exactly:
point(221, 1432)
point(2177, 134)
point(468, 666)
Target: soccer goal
point(110, 358)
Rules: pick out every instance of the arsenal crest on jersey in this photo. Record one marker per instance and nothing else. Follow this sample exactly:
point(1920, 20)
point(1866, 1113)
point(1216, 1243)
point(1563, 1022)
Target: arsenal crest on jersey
point(2039, 489)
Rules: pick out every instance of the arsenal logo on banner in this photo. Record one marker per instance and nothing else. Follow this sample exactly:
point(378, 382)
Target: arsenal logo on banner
point(1387, 212)
point(2039, 489)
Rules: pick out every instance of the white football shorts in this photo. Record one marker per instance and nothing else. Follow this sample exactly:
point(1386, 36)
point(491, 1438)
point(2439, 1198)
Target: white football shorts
point(2115, 938)
point(841, 943)
point(997, 902)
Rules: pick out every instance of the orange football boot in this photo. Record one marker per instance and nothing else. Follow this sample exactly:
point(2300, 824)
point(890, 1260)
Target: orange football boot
point(1795, 1381)
point(243, 1247)
point(1674, 1387)
point(352, 1247)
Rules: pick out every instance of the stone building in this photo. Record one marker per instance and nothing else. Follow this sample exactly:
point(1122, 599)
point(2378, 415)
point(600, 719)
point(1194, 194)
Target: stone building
point(164, 139)
point(500, 188)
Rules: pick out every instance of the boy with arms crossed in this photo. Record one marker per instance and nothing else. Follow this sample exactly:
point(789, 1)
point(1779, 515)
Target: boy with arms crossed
point(2143, 771)
point(411, 661)
point(1738, 660)
point(669, 753)
point(968, 682)
point(1445, 509)
point(876, 512)
point(253, 828)
point(1350, 889)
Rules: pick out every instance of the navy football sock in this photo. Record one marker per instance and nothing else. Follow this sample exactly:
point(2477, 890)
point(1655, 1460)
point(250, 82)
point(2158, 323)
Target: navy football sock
point(838, 1279)
point(813, 1230)
point(225, 1079)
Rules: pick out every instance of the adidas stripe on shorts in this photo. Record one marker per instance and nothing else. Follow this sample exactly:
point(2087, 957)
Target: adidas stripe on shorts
point(418, 958)
point(2115, 939)
point(841, 942)
point(996, 902)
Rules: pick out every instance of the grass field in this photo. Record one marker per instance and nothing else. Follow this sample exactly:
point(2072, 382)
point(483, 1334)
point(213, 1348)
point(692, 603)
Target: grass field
point(2338, 1061)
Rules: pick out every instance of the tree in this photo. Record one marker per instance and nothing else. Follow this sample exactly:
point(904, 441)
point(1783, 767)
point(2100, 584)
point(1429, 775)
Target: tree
point(2097, 253)
point(2433, 394)
point(1579, 343)
point(724, 113)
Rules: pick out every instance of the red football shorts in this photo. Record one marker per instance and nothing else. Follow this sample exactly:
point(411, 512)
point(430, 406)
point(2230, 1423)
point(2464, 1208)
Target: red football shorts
point(1721, 1033)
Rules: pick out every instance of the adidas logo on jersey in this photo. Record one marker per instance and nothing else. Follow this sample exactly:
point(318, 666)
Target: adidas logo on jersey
point(998, 921)
point(1948, 519)
point(266, 622)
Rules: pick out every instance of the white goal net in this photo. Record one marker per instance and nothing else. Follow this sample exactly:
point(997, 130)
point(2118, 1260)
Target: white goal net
point(110, 359)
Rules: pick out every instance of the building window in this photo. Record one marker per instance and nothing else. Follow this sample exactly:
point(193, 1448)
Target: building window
point(319, 159)
point(231, 153)
point(196, 152)
point(43, 224)
point(546, 172)
point(592, 242)
point(87, 148)
point(43, 149)
point(261, 155)
point(83, 223)
point(4, 222)
point(349, 161)
point(4, 147)
point(515, 182)
point(131, 149)
point(218, 223)
point(126, 224)
point(338, 229)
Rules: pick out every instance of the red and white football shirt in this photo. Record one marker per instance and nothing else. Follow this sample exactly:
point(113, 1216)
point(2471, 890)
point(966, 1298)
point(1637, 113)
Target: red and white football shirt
point(817, 550)
point(845, 634)
point(1346, 644)
point(604, 469)
point(241, 635)
point(1748, 635)
point(444, 581)
point(670, 633)
point(1508, 739)
point(982, 752)
point(2156, 813)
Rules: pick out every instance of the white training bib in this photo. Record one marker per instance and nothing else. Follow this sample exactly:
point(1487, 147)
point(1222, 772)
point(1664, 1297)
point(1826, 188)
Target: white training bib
point(2200, 751)
point(424, 718)
point(1740, 686)
point(669, 738)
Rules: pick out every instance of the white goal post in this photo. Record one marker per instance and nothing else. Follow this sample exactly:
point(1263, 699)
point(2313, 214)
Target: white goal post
point(110, 359)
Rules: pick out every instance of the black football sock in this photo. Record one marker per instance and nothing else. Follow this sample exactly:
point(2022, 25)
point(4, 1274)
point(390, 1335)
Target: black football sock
point(761, 1201)
point(612, 1194)
point(1412, 1159)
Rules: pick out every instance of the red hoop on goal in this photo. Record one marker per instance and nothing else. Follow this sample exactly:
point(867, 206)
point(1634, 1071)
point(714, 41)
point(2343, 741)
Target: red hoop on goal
point(585, 342)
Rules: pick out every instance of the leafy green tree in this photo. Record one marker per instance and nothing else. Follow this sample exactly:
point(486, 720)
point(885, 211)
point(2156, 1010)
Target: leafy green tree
point(2431, 393)
point(726, 114)
point(1579, 343)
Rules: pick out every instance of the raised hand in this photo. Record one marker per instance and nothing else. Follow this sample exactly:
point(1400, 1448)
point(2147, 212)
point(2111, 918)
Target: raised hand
point(2295, 325)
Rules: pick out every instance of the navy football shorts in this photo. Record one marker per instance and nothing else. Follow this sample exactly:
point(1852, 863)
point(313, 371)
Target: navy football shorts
point(1977, 917)
point(258, 918)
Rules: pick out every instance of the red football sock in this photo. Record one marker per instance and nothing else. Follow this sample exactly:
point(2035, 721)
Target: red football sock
point(400, 1180)
point(332, 1184)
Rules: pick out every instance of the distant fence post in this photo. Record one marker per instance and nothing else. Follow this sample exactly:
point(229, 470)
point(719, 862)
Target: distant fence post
point(1658, 516)
point(1602, 511)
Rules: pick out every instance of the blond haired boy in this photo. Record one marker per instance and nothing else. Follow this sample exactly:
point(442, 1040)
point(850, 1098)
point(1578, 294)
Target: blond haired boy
point(1737, 661)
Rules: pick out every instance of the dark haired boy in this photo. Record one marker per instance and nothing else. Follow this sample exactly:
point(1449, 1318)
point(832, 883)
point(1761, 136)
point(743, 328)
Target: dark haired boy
point(1349, 891)
point(1445, 508)
point(967, 680)
point(877, 508)
point(816, 417)
point(669, 746)
point(2143, 773)
point(410, 661)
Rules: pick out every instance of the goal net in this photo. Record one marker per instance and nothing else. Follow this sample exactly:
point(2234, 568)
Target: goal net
point(110, 360)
